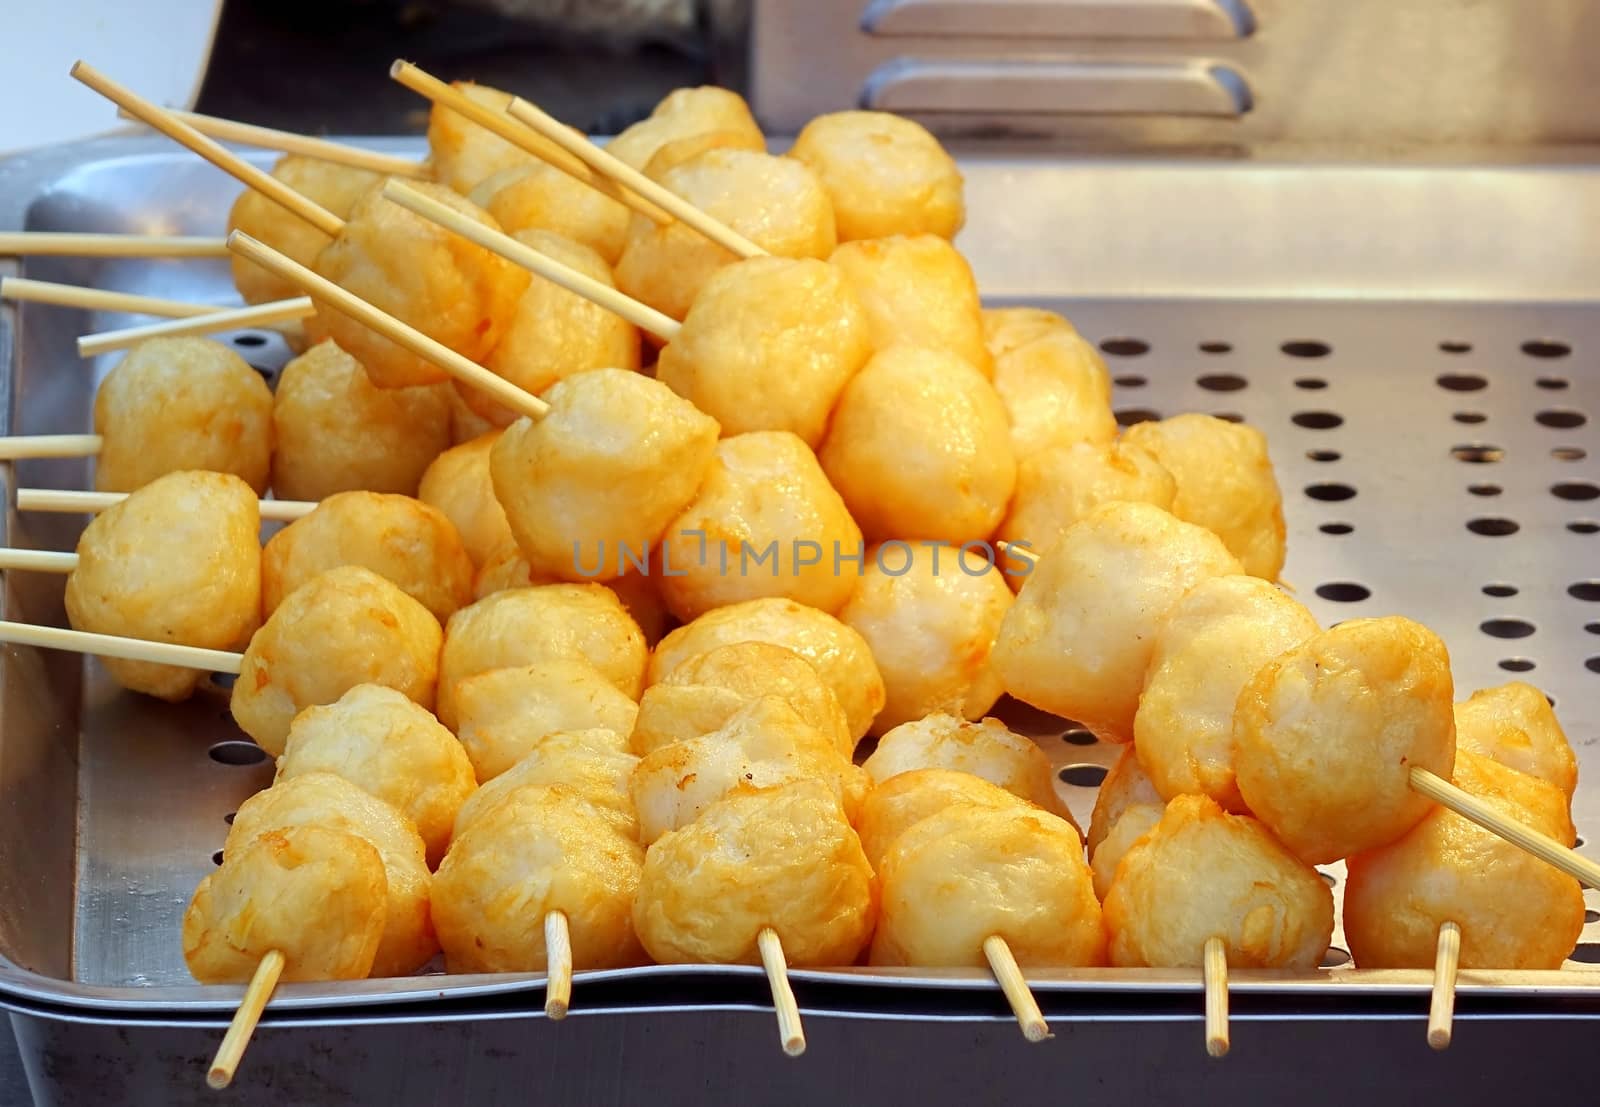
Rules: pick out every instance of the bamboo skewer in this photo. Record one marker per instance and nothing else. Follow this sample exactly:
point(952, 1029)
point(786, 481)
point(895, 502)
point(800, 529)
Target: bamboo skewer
point(231, 1051)
point(1442, 1006)
point(558, 965)
point(1215, 974)
point(128, 649)
point(28, 291)
point(49, 445)
point(1018, 994)
point(39, 561)
point(790, 1032)
point(71, 502)
point(1473, 809)
point(268, 138)
point(258, 315)
point(72, 244)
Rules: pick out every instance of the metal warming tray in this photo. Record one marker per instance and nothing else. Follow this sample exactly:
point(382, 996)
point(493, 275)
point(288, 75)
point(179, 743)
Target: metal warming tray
point(1421, 346)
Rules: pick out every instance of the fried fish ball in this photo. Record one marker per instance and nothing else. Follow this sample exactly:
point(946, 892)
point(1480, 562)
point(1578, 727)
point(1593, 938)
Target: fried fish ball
point(318, 896)
point(465, 424)
point(1211, 644)
point(1225, 483)
point(905, 799)
point(326, 800)
point(919, 448)
point(1007, 329)
point(684, 113)
point(1060, 484)
point(177, 561)
point(841, 656)
point(768, 345)
point(334, 187)
point(1057, 392)
point(680, 150)
point(764, 743)
point(776, 203)
point(453, 291)
point(969, 872)
point(917, 290)
point(402, 540)
point(987, 749)
point(1325, 736)
point(1515, 911)
point(174, 404)
point(463, 153)
point(599, 478)
point(508, 568)
point(337, 432)
point(931, 626)
point(704, 692)
point(765, 522)
point(552, 622)
point(886, 175)
point(1126, 808)
point(779, 857)
point(503, 714)
point(383, 743)
point(458, 484)
point(1078, 639)
point(345, 627)
point(586, 762)
point(538, 196)
point(1514, 724)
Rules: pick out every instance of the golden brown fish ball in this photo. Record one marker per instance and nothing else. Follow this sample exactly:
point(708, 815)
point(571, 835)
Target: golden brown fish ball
point(463, 153)
point(904, 800)
point(453, 291)
point(1078, 639)
point(1060, 484)
point(1515, 724)
point(1326, 735)
point(1225, 484)
point(383, 743)
point(680, 150)
point(987, 749)
point(1006, 329)
point(780, 857)
point(704, 692)
point(765, 522)
point(326, 800)
point(776, 203)
point(458, 484)
point(177, 561)
point(768, 345)
point(338, 432)
point(551, 622)
point(684, 113)
point(175, 404)
point(346, 627)
point(585, 762)
point(885, 175)
point(402, 540)
point(919, 448)
point(841, 656)
point(970, 872)
point(509, 568)
point(1126, 806)
point(539, 850)
point(1056, 392)
point(334, 187)
point(1212, 643)
point(538, 196)
point(318, 896)
point(917, 290)
point(590, 487)
point(503, 714)
point(1514, 910)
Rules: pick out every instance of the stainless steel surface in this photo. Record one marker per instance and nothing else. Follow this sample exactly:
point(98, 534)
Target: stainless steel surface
point(1163, 19)
point(911, 86)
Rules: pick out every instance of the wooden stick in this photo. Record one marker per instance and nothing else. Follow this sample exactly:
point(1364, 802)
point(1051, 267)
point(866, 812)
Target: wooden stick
point(1018, 994)
point(579, 284)
point(41, 561)
point(432, 89)
point(1216, 980)
point(258, 315)
point(219, 156)
point(70, 502)
point(1473, 809)
point(618, 170)
point(129, 649)
point(68, 244)
point(558, 965)
point(1442, 1008)
point(28, 291)
point(49, 445)
point(268, 138)
point(402, 334)
point(790, 1032)
point(231, 1052)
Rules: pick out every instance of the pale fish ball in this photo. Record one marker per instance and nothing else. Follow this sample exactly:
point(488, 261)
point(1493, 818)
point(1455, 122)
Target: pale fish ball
point(1515, 724)
point(181, 403)
point(768, 345)
point(1225, 484)
point(1060, 484)
point(509, 568)
point(503, 714)
point(318, 896)
point(452, 290)
point(402, 540)
point(594, 483)
point(346, 627)
point(917, 290)
point(1212, 643)
point(177, 561)
point(463, 153)
point(1078, 639)
point(326, 800)
point(987, 749)
point(1056, 391)
point(776, 203)
point(538, 196)
point(551, 622)
point(383, 743)
point(458, 483)
point(1514, 910)
point(968, 873)
point(841, 656)
point(586, 762)
point(1006, 329)
point(930, 613)
point(684, 113)
point(539, 850)
point(679, 150)
point(1326, 735)
point(1126, 808)
point(919, 448)
point(333, 187)
point(904, 800)
point(783, 858)
point(885, 174)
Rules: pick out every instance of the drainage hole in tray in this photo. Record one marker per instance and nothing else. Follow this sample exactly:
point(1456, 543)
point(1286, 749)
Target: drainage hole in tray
point(1493, 527)
point(1323, 455)
point(1591, 916)
point(1545, 348)
point(1561, 418)
point(1328, 878)
point(237, 752)
point(1461, 382)
point(1317, 420)
point(1588, 590)
point(1336, 528)
point(1310, 384)
point(1477, 453)
point(1592, 664)
point(1484, 489)
point(216, 857)
point(1343, 591)
point(1078, 736)
point(1128, 416)
point(1592, 628)
point(229, 817)
point(1130, 380)
point(1455, 346)
point(1517, 664)
point(249, 340)
point(1222, 382)
point(1501, 590)
point(1330, 492)
point(1587, 953)
point(1569, 453)
point(1507, 628)
point(1125, 347)
point(1583, 526)
point(1303, 347)
point(1216, 347)
point(1575, 490)
point(1335, 957)
point(1228, 416)
point(1084, 775)
point(1553, 384)
point(1470, 417)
